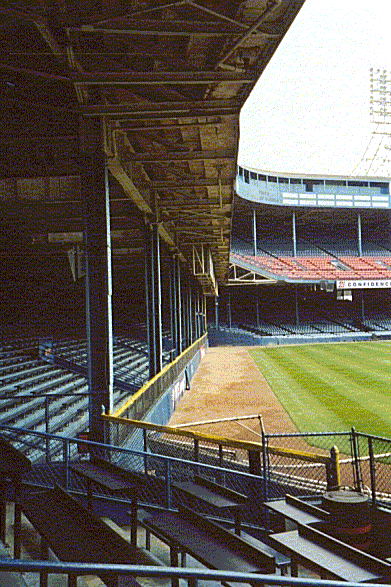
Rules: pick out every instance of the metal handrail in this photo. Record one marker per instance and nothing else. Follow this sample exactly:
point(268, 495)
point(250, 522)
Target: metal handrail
point(143, 454)
point(72, 568)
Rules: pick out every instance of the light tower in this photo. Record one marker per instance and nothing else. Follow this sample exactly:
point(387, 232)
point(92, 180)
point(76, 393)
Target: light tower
point(377, 156)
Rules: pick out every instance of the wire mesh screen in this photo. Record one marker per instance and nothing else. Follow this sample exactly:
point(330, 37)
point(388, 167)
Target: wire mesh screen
point(372, 466)
point(183, 444)
point(301, 464)
point(159, 460)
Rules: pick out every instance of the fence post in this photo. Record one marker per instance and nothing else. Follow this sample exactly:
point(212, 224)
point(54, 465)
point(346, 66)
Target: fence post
point(47, 428)
point(221, 464)
point(168, 484)
point(221, 455)
point(254, 462)
point(333, 470)
point(264, 460)
point(145, 448)
point(196, 454)
point(196, 450)
point(356, 461)
point(66, 461)
point(372, 469)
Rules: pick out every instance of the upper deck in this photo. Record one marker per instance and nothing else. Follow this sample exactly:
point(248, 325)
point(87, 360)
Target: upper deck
point(286, 189)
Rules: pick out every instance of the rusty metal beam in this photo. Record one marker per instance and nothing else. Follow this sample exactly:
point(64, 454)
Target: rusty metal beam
point(218, 15)
point(182, 126)
point(62, 54)
point(42, 26)
point(162, 109)
point(40, 105)
point(28, 138)
point(163, 28)
point(150, 10)
point(205, 207)
point(181, 156)
point(162, 77)
point(38, 74)
point(16, 13)
point(186, 183)
point(270, 6)
point(129, 188)
point(189, 120)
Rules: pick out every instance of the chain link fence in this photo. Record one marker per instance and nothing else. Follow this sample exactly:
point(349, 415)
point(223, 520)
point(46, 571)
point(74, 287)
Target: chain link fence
point(372, 466)
point(259, 471)
point(281, 464)
point(304, 464)
point(155, 474)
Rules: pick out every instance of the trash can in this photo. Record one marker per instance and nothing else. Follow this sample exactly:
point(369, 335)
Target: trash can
point(350, 517)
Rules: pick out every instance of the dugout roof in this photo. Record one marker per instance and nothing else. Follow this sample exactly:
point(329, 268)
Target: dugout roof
point(167, 79)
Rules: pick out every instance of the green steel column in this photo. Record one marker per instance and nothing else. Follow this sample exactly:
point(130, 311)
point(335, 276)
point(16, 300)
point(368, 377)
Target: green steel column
point(294, 239)
point(255, 232)
point(97, 244)
point(153, 299)
point(359, 236)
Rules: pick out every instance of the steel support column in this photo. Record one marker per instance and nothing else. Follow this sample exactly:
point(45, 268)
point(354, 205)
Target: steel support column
point(199, 313)
point(205, 317)
point(173, 314)
point(179, 321)
point(255, 232)
point(174, 295)
point(257, 308)
point(294, 238)
point(196, 312)
point(153, 299)
point(184, 311)
point(97, 244)
point(359, 237)
point(190, 312)
point(185, 308)
point(362, 306)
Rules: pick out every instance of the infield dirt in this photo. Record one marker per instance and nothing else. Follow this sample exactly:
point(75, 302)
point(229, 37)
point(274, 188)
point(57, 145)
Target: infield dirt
point(229, 384)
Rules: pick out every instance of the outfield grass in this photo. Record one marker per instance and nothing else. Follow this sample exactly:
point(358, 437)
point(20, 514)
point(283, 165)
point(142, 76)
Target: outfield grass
point(332, 387)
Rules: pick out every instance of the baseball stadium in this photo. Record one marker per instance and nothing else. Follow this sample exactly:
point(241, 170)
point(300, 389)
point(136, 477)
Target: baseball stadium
point(194, 353)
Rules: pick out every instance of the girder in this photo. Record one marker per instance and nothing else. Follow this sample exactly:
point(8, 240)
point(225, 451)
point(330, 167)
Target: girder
point(168, 80)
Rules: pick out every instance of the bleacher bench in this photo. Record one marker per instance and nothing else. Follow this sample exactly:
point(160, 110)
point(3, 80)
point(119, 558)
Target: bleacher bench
point(75, 534)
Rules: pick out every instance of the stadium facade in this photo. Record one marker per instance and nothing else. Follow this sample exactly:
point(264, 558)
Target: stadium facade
point(314, 253)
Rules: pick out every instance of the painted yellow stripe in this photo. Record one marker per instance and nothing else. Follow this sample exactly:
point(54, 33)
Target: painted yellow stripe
point(142, 390)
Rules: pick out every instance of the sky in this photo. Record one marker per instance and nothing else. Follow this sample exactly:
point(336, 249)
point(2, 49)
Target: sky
point(309, 111)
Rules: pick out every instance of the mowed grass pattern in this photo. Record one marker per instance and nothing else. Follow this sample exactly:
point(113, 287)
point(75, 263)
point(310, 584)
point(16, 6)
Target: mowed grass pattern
point(332, 387)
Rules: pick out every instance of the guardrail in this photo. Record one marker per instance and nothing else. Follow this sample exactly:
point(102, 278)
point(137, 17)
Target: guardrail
point(317, 471)
point(138, 405)
point(303, 462)
point(74, 570)
point(162, 471)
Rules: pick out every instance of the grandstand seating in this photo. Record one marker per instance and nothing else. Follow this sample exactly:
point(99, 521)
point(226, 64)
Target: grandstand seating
point(27, 380)
point(130, 360)
point(317, 267)
point(305, 250)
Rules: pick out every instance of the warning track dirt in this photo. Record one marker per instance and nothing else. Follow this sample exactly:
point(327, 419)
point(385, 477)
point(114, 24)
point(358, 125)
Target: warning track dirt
point(229, 384)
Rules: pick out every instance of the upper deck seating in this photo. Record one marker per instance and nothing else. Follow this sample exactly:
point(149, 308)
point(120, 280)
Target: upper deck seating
point(319, 267)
